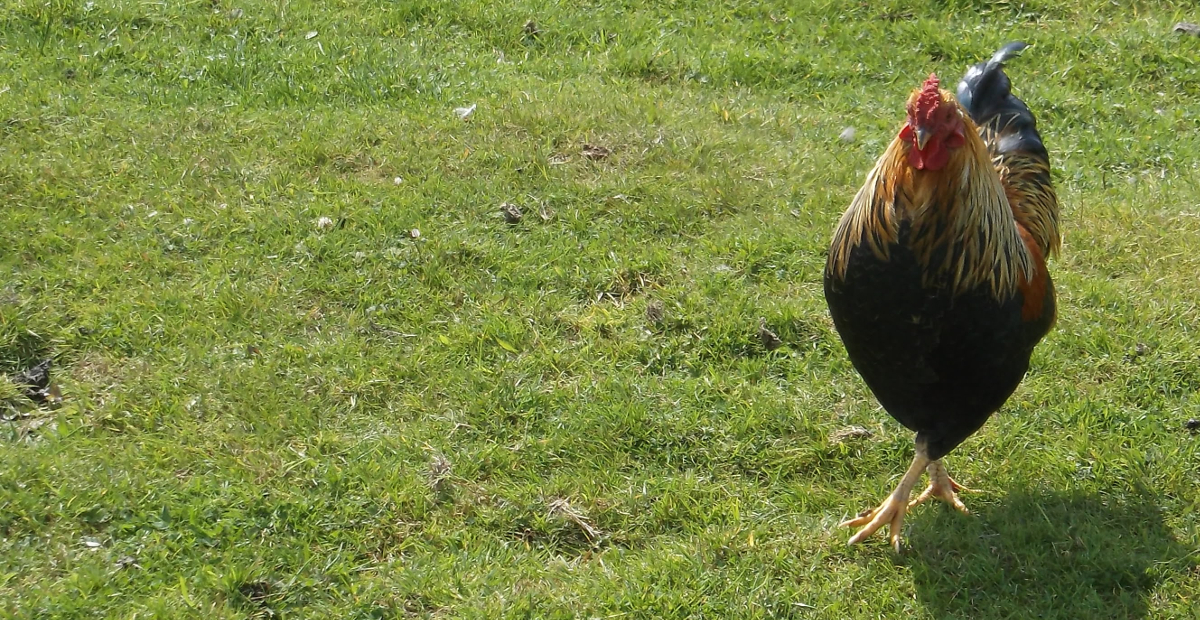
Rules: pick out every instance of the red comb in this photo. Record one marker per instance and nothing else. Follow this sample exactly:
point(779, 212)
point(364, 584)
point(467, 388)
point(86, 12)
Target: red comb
point(929, 99)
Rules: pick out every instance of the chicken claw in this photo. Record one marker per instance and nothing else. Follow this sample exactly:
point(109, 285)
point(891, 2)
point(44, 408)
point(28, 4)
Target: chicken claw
point(943, 487)
point(893, 509)
point(891, 512)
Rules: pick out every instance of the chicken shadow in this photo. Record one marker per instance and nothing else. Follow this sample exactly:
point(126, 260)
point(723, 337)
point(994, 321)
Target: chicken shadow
point(1045, 554)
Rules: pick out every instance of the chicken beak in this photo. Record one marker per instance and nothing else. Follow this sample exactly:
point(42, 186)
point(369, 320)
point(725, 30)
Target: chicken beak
point(922, 138)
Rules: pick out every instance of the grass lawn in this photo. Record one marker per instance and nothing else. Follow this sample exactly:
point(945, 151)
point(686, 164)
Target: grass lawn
point(311, 371)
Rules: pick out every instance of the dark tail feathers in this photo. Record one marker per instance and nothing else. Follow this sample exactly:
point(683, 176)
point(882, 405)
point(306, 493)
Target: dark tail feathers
point(986, 93)
point(985, 85)
point(1010, 132)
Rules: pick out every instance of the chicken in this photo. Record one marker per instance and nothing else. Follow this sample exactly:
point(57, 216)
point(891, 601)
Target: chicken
point(936, 278)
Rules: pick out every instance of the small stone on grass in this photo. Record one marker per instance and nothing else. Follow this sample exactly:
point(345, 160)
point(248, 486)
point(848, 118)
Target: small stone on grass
point(655, 312)
point(1187, 28)
point(511, 212)
point(596, 152)
point(769, 338)
point(849, 433)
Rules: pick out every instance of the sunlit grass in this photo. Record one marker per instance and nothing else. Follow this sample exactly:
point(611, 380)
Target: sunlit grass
point(310, 370)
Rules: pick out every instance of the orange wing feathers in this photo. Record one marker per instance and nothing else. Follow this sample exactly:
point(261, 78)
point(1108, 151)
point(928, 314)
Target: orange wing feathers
point(1035, 289)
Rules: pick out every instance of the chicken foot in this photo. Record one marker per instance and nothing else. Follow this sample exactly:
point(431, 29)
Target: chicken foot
point(941, 486)
point(893, 509)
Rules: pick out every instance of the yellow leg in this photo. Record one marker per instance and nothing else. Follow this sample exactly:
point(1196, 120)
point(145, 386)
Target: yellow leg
point(892, 510)
point(941, 486)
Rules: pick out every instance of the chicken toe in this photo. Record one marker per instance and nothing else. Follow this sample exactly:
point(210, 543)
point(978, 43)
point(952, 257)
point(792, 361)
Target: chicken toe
point(941, 486)
point(891, 512)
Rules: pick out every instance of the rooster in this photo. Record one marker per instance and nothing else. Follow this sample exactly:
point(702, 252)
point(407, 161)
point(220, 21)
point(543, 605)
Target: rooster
point(936, 278)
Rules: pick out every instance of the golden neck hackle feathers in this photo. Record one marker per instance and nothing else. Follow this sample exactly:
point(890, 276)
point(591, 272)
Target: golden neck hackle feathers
point(1030, 192)
point(962, 228)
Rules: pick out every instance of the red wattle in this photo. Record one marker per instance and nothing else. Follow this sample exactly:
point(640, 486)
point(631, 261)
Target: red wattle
point(916, 158)
point(934, 157)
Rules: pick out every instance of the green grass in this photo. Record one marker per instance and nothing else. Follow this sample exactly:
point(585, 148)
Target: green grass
point(267, 417)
